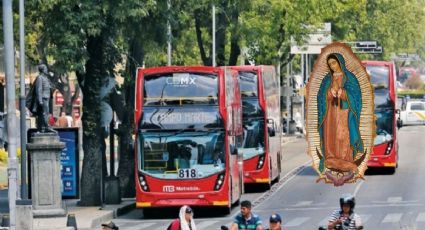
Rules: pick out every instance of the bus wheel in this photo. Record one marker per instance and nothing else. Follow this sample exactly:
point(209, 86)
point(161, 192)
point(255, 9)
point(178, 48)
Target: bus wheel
point(279, 166)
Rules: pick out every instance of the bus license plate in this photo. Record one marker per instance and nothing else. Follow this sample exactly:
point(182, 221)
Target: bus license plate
point(188, 173)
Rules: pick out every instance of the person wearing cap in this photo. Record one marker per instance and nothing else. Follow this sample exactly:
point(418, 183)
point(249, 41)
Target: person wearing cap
point(246, 220)
point(345, 218)
point(185, 220)
point(109, 226)
point(275, 222)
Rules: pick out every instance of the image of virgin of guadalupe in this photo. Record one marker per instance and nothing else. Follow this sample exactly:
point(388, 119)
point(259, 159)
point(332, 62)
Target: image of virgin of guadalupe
point(339, 104)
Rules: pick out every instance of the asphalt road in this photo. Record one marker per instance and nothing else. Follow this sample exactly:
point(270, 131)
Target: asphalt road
point(384, 201)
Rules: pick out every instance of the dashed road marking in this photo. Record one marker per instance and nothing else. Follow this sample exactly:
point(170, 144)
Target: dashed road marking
point(304, 203)
point(395, 199)
point(205, 224)
point(296, 222)
point(392, 218)
point(421, 217)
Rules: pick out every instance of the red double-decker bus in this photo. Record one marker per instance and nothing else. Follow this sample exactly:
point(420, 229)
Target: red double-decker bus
point(261, 147)
point(188, 126)
point(383, 78)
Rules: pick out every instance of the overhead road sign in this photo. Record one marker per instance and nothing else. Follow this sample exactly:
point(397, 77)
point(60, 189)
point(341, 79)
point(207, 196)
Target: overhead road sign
point(365, 47)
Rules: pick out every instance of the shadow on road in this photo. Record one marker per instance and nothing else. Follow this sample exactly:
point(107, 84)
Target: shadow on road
point(379, 171)
point(170, 213)
point(308, 171)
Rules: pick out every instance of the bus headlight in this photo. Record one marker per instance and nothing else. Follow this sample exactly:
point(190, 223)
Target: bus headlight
point(260, 163)
point(219, 182)
point(143, 183)
point(389, 147)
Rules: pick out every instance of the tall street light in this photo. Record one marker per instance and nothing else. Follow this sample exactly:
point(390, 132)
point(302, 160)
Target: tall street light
point(9, 63)
point(213, 36)
point(24, 191)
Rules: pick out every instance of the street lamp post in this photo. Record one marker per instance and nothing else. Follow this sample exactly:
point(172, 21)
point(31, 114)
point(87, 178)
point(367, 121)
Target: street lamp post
point(9, 62)
point(169, 35)
point(213, 36)
point(24, 191)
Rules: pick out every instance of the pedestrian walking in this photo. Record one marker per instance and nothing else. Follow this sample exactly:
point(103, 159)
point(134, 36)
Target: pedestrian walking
point(246, 220)
point(185, 220)
point(109, 226)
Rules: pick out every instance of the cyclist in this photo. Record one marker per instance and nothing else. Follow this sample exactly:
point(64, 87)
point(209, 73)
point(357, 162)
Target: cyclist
point(246, 220)
point(345, 218)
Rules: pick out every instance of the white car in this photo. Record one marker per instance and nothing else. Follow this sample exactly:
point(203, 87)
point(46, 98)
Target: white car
point(412, 113)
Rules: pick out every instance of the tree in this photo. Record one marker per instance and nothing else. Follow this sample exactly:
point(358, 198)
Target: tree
point(84, 36)
point(143, 35)
point(414, 82)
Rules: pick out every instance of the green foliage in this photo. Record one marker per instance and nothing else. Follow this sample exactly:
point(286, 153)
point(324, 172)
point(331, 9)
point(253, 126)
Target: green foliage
point(418, 94)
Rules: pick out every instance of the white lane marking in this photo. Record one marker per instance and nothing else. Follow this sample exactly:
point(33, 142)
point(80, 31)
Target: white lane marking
point(296, 222)
point(356, 190)
point(421, 217)
point(394, 199)
point(304, 203)
point(205, 224)
point(392, 218)
point(292, 174)
point(140, 226)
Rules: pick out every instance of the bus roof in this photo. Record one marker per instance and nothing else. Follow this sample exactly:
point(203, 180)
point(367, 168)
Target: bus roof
point(377, 63)
point(168, 69)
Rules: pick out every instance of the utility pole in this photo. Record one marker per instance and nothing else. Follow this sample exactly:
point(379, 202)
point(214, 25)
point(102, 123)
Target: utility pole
point(302, 87)
point(24, 191)
point(213, 36)
point(9, 64)
point(169, 34)
point(288, 95)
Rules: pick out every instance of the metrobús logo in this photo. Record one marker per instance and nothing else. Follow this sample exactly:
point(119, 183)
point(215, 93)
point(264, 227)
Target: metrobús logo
point(172, 188)
point(181, 80)
point(168, 188)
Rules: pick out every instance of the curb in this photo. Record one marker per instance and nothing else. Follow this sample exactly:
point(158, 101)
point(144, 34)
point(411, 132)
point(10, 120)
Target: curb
point(125, 209)
point(95, 223)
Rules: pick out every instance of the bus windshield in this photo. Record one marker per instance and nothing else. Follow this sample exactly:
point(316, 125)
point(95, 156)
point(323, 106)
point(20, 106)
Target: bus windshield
point(384, 107)
point(180, 88)
point(166, 154)
point(253, 142)
point(379, 76)
point(248, 84)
